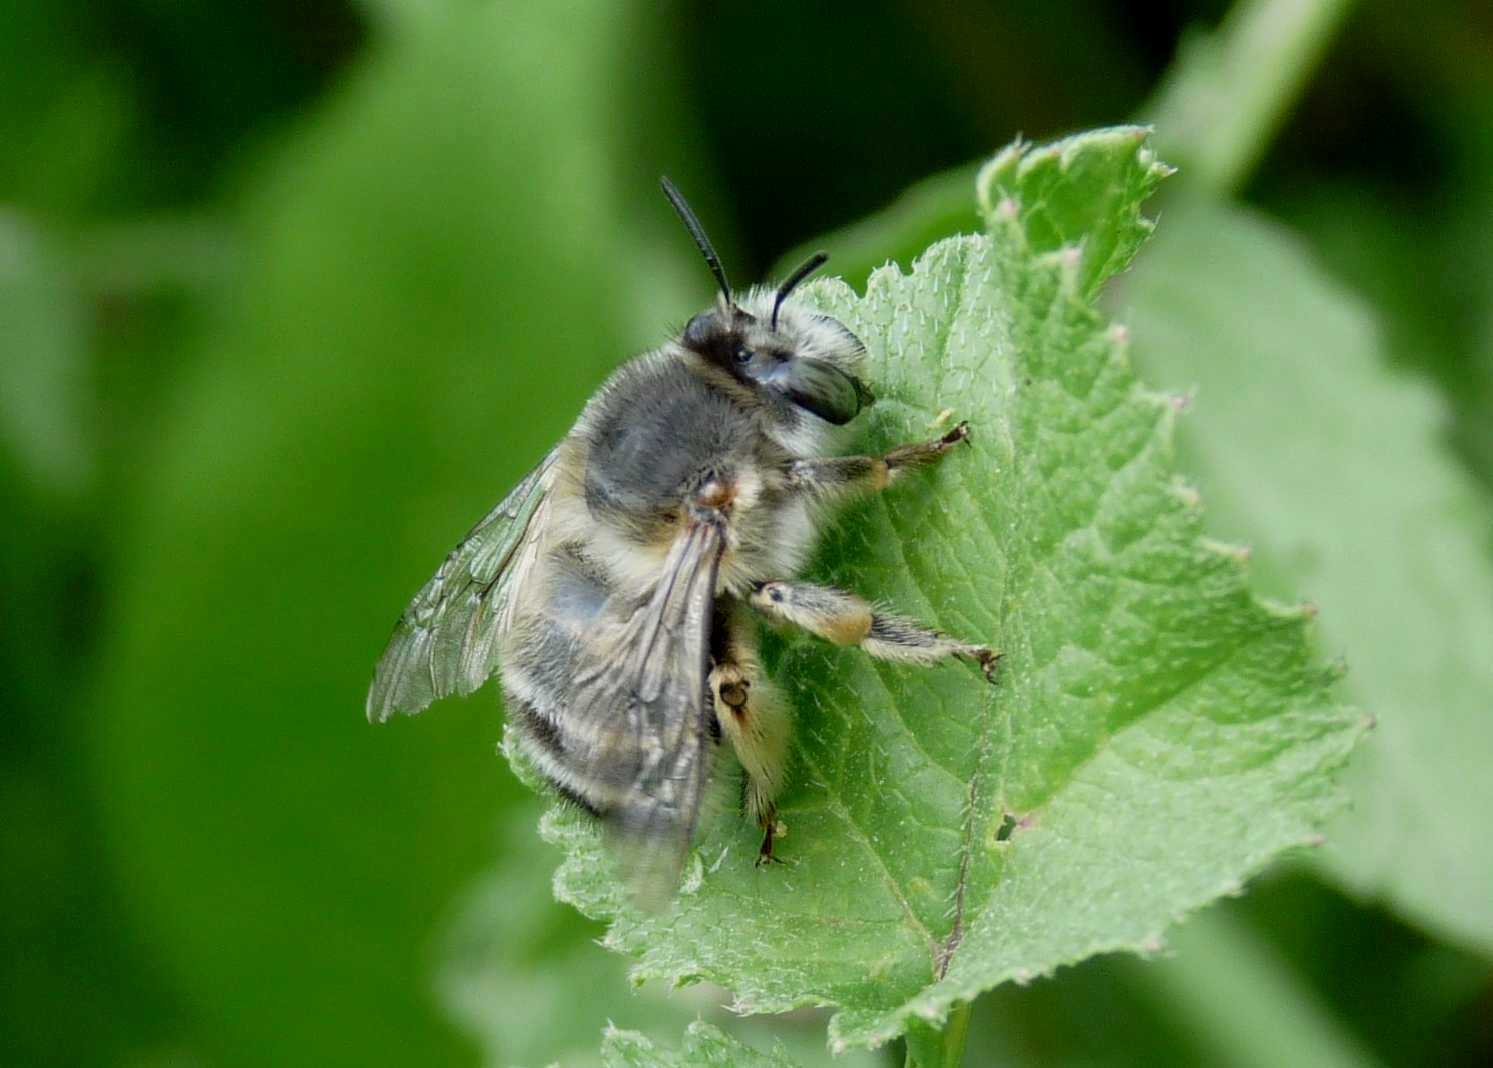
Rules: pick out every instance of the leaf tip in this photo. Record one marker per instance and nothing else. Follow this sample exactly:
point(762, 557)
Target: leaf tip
point(1187, 494)
point(1240, 554)
point(987, 180)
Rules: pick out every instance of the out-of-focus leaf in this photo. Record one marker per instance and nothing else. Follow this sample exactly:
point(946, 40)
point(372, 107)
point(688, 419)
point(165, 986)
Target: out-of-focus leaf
point(43, 384)
point(1347, 496)
point(64, 115)
point(427, 296)
point(1158, 733)
point(1387, 251)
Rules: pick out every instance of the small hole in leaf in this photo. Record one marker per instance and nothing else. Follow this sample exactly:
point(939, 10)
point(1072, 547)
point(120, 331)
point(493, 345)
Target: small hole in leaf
point(1008, 824)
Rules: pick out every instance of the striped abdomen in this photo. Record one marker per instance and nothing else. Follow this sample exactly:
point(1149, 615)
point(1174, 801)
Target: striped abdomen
point(561, 637)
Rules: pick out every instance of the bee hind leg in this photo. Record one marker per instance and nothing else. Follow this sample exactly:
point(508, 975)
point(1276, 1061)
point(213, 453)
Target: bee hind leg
point(845, 619)
point(753, 718)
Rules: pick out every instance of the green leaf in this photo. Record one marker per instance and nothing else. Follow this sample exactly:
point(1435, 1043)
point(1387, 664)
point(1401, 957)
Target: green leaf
point(703, 1045)
point(1347, 494)
point(1158, 733)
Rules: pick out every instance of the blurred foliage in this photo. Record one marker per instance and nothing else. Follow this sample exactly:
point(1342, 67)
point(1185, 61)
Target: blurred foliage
point(291, 292)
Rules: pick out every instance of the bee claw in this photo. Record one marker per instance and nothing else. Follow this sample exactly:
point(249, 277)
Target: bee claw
point(990, 662)
point(772, 831)
point(958, 434)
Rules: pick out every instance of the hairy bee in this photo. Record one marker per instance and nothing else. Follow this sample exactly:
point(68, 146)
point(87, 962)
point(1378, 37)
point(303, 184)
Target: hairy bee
point(618, 584)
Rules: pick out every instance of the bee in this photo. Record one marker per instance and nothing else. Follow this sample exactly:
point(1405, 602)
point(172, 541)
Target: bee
point(620, 584)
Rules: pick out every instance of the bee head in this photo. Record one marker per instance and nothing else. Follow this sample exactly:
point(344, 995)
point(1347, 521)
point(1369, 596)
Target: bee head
point(762, 341)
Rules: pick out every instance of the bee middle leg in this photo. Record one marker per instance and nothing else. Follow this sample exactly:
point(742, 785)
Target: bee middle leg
point(845, 619)
point(751, 715)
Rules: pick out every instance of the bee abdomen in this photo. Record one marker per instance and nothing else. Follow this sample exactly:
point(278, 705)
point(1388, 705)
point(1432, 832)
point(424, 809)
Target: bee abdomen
point(583, 723)
point(545, 745)
point(619, 789)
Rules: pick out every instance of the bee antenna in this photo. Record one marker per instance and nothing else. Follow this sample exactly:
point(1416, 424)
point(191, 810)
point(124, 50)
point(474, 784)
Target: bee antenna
point(809, 266)
point(696, 231)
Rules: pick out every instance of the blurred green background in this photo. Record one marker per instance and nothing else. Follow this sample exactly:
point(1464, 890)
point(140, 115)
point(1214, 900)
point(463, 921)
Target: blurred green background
point(290, 293)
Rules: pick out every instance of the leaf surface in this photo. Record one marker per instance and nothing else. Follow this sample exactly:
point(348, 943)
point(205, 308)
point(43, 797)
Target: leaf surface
point(1351, 497)
point(1158, 732)
point(703, 1045)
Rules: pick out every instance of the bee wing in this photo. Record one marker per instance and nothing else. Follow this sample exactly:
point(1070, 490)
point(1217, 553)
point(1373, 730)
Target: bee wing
point(446, 640)
point(639, 711)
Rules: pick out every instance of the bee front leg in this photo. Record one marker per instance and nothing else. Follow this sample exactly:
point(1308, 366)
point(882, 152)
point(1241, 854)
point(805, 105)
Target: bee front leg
point(836, 476)
point(845, 619)
point(752, 716)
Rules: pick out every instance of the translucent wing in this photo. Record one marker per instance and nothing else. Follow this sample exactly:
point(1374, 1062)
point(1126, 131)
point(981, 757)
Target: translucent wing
point(639, 715)
point(446, 640)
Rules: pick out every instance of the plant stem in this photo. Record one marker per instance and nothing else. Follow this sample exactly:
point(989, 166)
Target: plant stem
point(1228, 91)
point(931, 1047)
